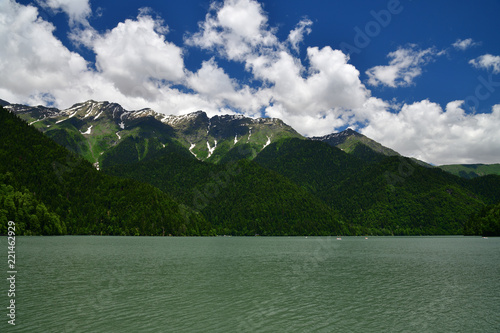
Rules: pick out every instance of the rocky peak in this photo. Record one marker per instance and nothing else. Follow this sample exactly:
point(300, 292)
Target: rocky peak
point(336, 139)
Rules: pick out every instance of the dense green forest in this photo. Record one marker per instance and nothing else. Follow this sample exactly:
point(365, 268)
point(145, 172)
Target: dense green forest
point(238, 198)
point(486, 222)
point(153, 185)
point(395, 196)
point(48, 190)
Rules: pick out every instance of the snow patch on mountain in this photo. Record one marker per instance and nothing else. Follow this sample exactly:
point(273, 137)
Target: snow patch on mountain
point(268, 142)
point(95, 118)
point(174, 120)
point(211, 149)
point(36, 121)
point(88, 131)
point(191, 149)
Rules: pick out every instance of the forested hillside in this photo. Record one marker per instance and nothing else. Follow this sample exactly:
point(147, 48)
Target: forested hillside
point(394, 196)
point(48, 190)
point(238, 198)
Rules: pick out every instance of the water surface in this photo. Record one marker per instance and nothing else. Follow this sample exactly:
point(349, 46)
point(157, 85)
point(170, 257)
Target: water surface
point(256, 284)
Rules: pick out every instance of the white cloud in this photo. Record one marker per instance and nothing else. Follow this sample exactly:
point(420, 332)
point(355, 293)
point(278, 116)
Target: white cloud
point(136, 65)
point(488, 62)
point(425, 131)
point(405, 65)
point(296, 36)
point(464, 44)
point(235, 28)
point(32, 61)
point(212, 83)
point(137, 59)
point(77, 10)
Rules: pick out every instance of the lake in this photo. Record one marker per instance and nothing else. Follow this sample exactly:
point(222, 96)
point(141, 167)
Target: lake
point(254, 284)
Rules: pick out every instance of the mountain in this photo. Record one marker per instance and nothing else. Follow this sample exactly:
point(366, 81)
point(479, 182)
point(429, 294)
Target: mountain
point(472, 170)
point(399, 196)
point(357, 144)
point(361, 146)
point(239, 197)
point(67, 195)
point(49, 190)
point(393, 196)
point(92, 129)
point(227, 175)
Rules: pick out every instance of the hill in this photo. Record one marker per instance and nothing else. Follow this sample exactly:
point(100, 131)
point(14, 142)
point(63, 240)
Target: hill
point(48, 190)
point(393, 196)
point(472, 170)
point(238, 198)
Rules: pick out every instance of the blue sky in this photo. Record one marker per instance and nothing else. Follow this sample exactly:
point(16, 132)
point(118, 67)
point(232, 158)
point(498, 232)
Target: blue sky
point(422, 77)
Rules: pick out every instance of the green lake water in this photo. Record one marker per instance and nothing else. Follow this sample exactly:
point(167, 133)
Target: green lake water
point(254, 284)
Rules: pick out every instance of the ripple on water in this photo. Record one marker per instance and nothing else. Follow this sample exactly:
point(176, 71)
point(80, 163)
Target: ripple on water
point(123, 284)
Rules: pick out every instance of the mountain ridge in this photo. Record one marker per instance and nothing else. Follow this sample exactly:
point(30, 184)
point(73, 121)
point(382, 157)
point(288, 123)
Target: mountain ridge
point(94, 127)
point(207, 138)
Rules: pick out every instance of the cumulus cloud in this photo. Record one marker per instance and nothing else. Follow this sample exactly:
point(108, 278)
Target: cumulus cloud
point(212, 83)
point(464, 44)
point(136, 57)
point(405, 65)
point(235, 29)
point(136, 67)
point(328, 85)
point(425, 131)
point(77, 10)
point(296, 36)
point(488, 62)
point(32, 61)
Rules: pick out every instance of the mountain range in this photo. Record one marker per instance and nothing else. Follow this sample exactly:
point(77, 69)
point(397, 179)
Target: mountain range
point(230, 175)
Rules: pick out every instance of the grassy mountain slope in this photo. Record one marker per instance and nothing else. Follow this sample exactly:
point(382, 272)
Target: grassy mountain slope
point(93, 128)
point(472, 170)
point(349, 139)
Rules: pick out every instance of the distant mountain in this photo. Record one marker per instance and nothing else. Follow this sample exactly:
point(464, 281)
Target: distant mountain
point(472, 170)
point(361, 146)
point(348, 140)
point(94, 128)
point(357, 144)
